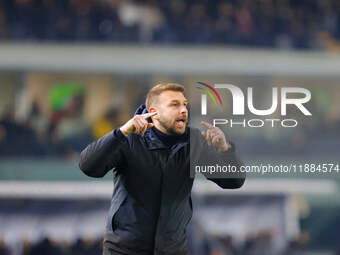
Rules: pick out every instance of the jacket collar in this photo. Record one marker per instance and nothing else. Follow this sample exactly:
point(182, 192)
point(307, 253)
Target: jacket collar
point(154, 143)
point(151, 139)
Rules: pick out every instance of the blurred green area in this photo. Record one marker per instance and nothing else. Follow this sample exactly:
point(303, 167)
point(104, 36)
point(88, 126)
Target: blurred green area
point(62, 93)
point(50, 169)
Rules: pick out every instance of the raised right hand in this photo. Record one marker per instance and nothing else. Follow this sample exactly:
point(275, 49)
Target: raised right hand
point(138, 124)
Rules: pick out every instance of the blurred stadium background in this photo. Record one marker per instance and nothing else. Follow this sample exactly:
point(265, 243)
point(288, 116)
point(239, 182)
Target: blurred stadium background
point(72, 70)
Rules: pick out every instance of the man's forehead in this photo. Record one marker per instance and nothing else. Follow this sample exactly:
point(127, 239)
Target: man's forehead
point(170, 95)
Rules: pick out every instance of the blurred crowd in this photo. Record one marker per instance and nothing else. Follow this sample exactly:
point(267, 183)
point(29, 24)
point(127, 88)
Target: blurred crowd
point(64, 133)
point(48, 246)
point(261, 244)
point(260, 23)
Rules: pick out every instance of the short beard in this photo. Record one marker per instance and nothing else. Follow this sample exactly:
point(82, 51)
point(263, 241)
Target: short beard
point(169, 129)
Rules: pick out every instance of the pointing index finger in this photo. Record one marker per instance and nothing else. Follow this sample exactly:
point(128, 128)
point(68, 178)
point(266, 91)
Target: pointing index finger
point(207, 125)
point(148, 115)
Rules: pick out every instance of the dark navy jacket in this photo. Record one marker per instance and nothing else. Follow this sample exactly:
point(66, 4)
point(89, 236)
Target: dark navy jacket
point(151, 203)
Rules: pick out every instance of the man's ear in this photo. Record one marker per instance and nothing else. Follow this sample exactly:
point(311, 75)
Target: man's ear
point(153, 109)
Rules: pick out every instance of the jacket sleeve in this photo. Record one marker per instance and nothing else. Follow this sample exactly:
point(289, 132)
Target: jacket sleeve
point(104, 154)
point(234, 181)
point(207, 155)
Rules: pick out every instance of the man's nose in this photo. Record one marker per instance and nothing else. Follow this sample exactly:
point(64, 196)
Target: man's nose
point(184, 109)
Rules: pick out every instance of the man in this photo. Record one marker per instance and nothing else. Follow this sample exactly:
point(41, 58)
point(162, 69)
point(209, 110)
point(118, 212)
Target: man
point(150, 154)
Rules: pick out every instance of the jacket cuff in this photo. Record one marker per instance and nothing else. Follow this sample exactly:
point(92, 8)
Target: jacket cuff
point(118, 134)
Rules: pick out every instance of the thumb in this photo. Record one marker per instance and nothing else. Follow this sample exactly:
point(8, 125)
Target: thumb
point(150, 125)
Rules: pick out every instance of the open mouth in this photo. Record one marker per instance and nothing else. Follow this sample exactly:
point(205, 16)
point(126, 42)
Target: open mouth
point(181, 122)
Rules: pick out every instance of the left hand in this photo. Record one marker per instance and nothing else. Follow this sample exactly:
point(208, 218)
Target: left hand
point(215, 136)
